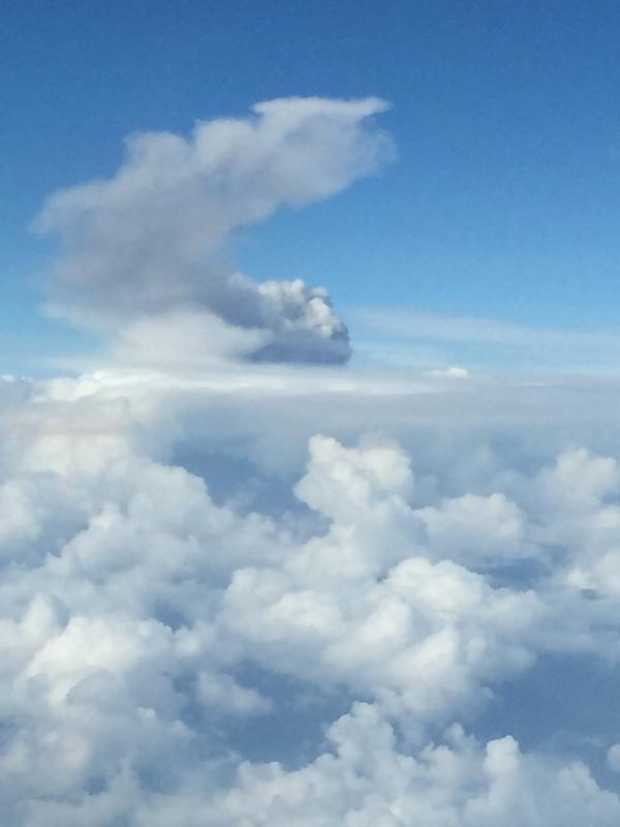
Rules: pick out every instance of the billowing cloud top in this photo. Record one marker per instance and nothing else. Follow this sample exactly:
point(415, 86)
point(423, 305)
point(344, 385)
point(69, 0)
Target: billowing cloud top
point(173, 654)
point(152, 239)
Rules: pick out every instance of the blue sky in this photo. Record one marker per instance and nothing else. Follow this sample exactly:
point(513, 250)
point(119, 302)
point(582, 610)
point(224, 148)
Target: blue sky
point(502, 205)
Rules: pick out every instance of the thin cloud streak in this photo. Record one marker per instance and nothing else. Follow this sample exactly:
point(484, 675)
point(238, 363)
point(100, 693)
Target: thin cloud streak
point(489, 342)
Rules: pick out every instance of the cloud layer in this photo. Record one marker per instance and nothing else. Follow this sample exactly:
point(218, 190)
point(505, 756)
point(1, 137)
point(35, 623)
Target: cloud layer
point(387, 603)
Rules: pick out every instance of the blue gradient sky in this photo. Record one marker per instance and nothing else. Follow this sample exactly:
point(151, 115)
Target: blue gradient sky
point(503, 204)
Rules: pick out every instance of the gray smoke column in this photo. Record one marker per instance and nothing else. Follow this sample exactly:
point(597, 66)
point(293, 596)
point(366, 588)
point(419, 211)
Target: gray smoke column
point(152, 241)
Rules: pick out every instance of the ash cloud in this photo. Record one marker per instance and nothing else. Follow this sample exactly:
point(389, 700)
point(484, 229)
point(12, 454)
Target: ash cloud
point(153, 240)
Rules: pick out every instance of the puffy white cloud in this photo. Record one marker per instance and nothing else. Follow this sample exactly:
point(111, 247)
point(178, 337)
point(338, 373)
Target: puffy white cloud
point(363, 607)
point(368, 780)
point(143, 618)
point(474, 528)
point(365, 779)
